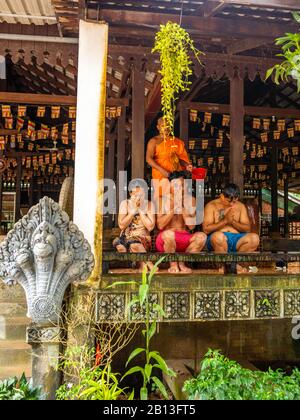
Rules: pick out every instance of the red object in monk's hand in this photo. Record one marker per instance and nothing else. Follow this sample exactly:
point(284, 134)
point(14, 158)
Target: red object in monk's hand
point(199, 173)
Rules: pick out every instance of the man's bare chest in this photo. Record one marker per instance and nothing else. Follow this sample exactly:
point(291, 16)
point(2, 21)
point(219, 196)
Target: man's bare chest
point(221, 212)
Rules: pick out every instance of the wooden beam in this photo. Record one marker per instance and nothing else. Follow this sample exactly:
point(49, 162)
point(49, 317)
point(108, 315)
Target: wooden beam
point(237, 132)
point(7, 132)
point(39, 39)
point(210, 8)
point(204, 257)
point(259, 111)
point(138, 123)
point(204, 26)
point(245, 45)
point(283, 4)
point(206, 107)
point(238, 60)
point(117, 101)
point(269, 112)
point(36, 99)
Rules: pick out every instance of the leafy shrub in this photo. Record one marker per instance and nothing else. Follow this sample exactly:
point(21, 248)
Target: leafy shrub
point(89, 382)
point(290, 66)
point(152, 358)
point(18, 389)
point(224, 379)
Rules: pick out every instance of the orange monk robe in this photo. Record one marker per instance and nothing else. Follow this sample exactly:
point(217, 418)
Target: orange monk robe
point(168, 155)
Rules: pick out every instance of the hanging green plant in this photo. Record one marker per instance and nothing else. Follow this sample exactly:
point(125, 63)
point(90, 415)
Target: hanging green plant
point(174, 45)
point(290, 67)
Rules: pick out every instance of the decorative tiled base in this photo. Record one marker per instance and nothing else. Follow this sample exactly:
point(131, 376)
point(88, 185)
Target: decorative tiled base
point(203, 305)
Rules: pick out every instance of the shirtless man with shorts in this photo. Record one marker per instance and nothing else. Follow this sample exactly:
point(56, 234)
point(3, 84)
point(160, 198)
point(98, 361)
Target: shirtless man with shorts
point(227, 224)
point(174, 220)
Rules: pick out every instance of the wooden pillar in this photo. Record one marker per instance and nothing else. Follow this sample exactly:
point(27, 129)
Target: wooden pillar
point(260, 197)
point(110, 174)
point(184, 124)
point(274, 189)
point(121, 147)
point(213, 190)
point(40, 191)
point(3, 80)
point(286, 208)
point(138, 122)
point(1, 190)
point(31, 192)
point(18, 188)
point(237, 132)
point(111, 157)
point(90, 136)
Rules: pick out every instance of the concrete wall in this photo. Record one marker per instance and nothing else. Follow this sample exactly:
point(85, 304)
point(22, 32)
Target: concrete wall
point(260, 340)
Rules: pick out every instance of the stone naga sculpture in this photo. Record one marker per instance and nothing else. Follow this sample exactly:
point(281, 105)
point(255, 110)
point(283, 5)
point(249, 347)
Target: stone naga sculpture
point(44, 253)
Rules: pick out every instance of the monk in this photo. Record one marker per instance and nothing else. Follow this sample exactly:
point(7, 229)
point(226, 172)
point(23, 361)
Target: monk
point(136, 220)
point(175, 218)
point(227, 224)
point(165, 155)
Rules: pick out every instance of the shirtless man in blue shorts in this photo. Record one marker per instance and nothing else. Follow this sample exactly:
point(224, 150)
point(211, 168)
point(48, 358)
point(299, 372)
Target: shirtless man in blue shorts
point(227, 224)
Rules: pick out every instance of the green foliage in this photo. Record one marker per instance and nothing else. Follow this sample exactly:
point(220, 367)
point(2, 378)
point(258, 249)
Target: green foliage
point(18, 389)
point(290, 66)
point(92, 382)
point(224, 379)
point(152, 358)
point(174, 45)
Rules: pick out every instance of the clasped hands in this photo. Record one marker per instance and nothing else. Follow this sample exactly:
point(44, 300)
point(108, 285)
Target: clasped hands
point(135, 205)
point(229, 215)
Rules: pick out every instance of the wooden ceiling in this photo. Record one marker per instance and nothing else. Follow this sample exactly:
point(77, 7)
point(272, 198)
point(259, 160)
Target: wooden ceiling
point(225, 26)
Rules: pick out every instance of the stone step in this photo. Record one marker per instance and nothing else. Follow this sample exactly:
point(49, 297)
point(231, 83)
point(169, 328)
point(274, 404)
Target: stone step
point(14, 352)
point(12, 371)
point(13, 328)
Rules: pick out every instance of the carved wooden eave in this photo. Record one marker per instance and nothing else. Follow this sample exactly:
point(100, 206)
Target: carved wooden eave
point(220, 65)
point(215, 64)
point(63, 54)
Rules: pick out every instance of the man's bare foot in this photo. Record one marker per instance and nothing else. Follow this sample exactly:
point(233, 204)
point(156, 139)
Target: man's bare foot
point(121, 248)
point(240, 269)
point(142, 267)
point(184, 268)
point(151, 265)
point(221, 269)
point(174, 268)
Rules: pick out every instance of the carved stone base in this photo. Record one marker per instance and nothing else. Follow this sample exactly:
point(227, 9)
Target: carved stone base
point(45, 357)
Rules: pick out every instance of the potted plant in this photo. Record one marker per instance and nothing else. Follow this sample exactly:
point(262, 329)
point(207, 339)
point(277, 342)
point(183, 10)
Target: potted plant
point(174, 46)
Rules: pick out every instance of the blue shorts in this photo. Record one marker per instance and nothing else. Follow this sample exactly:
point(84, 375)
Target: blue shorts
point(232, 240)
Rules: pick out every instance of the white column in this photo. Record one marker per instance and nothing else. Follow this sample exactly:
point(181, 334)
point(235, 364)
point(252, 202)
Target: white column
point(90, 135)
